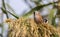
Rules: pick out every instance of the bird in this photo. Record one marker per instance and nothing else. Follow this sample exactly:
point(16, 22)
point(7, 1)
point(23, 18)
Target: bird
point(37, 17)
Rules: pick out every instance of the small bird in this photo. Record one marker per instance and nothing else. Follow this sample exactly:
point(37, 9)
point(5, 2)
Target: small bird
point(37, 17)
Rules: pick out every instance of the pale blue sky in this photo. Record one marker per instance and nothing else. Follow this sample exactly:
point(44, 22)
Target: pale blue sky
point(18, 6)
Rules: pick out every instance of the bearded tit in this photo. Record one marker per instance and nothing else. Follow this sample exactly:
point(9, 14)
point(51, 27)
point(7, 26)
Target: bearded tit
point(38, 18)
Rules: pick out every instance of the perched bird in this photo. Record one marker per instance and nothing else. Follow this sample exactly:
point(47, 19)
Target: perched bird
point(37, 17)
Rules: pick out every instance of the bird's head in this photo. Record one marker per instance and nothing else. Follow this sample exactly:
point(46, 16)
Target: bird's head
point(36, 13)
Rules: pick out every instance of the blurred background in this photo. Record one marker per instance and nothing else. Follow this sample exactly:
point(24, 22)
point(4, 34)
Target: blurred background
point(49, 9)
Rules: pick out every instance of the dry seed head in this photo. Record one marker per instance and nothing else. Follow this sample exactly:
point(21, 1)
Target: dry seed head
point(28, 28)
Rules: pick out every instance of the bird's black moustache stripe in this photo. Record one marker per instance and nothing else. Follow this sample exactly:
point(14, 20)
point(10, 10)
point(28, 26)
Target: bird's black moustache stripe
point(34, 13)
point(35, 17)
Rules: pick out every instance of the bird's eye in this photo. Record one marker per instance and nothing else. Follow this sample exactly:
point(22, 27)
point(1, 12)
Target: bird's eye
point(45, 20)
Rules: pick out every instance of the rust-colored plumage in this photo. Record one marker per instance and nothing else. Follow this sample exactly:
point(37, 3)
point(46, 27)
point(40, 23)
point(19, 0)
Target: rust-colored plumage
point(37, 17)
